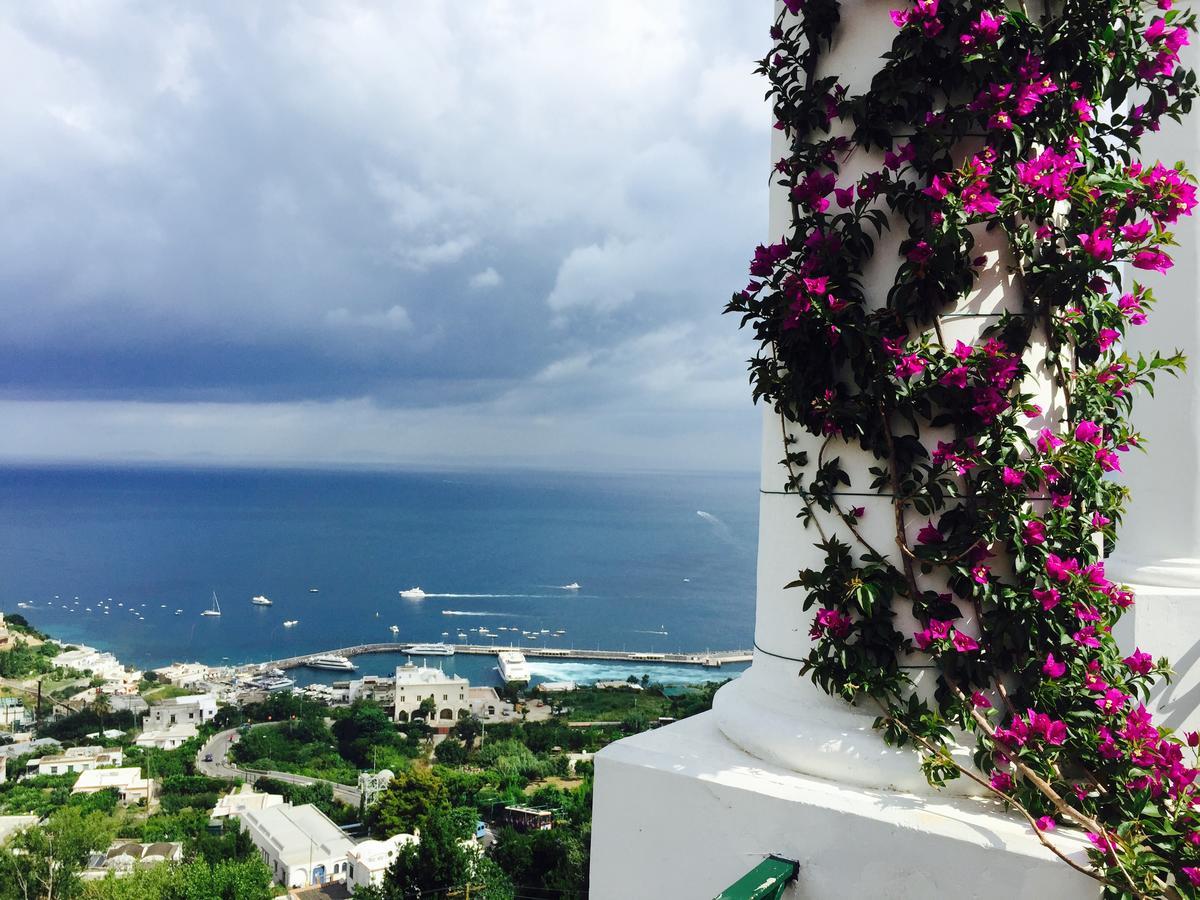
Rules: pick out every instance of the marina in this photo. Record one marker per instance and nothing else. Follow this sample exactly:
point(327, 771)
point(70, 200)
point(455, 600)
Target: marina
point(706, 658)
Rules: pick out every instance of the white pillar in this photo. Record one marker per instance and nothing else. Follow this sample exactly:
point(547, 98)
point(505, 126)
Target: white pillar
point(780, 767)
point(1158, 553)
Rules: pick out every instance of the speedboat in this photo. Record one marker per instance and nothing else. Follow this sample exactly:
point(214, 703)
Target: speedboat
point(429, 650)
point(573, 586)
point(413, 593)
point(330, 661)
point(395, 629)
point(260, 600)
point(290, 622)
point(314, 590)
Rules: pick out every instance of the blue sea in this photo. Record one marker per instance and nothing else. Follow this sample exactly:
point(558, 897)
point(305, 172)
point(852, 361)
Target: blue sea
point(651, 553)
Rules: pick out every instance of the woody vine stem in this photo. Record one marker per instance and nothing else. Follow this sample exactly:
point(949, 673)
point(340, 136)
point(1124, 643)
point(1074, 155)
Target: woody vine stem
point(993, 155)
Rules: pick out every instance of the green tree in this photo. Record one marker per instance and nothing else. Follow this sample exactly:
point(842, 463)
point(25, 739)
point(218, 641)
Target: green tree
point(427, 709)
point(451, 752)
point(468, 729)
point(411, 799)
point(44, 862)
point(364, 727)
point(247, 879)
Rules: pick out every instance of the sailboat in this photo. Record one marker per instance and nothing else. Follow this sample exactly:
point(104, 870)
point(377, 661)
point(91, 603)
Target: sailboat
point(216, 607)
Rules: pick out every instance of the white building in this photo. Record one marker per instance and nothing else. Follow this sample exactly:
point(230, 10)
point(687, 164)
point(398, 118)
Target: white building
point(184, 675)
point(193, 710)
point(124, 856)
point(300, 844)
point(78, 759)
point(13, 714)
point(128, 782)
point(168, 738)
point(246, 800)
point(450, 694)
point(97, 662)
point(379, 688)
point(369, 860)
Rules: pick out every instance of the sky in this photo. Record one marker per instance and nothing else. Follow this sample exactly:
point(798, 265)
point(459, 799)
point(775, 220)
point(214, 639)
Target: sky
point(342, 233)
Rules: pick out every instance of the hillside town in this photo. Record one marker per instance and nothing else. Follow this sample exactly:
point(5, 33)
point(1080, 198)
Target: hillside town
point(320, 791)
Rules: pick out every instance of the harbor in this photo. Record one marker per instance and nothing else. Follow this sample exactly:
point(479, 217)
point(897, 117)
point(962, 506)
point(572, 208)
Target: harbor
point(705, 658)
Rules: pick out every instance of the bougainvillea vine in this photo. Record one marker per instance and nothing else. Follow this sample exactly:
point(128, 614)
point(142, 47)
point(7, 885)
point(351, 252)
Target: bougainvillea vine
point(1003, 144)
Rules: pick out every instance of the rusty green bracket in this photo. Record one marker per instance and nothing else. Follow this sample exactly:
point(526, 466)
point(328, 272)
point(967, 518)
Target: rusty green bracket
point(765, 881)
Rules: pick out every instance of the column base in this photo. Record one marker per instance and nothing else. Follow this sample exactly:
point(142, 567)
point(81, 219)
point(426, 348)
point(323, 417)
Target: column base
point(1165, 621)
point(681, 812)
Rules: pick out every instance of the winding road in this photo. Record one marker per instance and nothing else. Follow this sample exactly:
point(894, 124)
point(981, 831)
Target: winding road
point(222, 767)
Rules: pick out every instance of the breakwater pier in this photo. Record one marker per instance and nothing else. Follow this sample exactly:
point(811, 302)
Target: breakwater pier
point(707, 658)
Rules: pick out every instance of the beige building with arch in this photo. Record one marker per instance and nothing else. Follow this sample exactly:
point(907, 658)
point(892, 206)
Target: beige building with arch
point(450, 694)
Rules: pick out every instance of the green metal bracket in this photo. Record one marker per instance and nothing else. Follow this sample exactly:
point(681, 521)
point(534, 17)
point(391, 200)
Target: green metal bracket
point(765, 881)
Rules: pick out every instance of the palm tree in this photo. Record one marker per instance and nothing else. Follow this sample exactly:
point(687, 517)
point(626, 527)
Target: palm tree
point(101, 706)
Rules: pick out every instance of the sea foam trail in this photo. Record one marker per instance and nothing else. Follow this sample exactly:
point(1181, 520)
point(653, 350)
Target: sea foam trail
point(464, 612)
point(497, 596)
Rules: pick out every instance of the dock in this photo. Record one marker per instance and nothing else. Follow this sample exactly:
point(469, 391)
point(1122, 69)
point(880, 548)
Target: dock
point(708, 658)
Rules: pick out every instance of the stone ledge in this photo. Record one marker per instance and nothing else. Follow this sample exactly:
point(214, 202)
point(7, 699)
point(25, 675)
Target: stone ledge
point(681, 812)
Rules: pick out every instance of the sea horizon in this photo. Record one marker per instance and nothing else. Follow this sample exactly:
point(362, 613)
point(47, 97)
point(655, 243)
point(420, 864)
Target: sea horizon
point(665, 561)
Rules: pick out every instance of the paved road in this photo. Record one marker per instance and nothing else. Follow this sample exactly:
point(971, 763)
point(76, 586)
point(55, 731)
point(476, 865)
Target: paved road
point(221, 767)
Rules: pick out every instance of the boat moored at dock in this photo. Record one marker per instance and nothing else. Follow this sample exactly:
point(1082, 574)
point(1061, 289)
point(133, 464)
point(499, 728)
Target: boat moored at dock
point(512, 666)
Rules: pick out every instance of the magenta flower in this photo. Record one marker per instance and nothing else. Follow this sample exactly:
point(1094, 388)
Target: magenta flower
point(1049, 598)
point(1152, 261)
point(910, 365)
point(1047, 173)
point(1099, 521)
point(1086, 637)
point(1061, 569)
point(1113, 701)
point(1140, 662)
point(1052, 730)
point(977, 200)
point(1097, 244)
point(1053, 668)
point(962, 351)
point(1034, 533)
point(844, 196)
point(1012, 478)
point(1192, 873)
point(919, 252)
point(955, 378)
point(1045, 823)
point(832, 621)
point(939, 187)
point(929, 534)
point(1088, 432)
point(1108, 460)
point(1060, 501)
point(980, 700)
point(964, 643)
point(1047, 440)
point(858, 511)
point(980, 574)
point(1001, 781)
point(1131, 308)
point(1137, 232)
point(1083, 109)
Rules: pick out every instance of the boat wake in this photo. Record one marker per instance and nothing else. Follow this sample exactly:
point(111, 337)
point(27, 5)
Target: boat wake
point(489, 596)
point(464, 612)
point(636, 631)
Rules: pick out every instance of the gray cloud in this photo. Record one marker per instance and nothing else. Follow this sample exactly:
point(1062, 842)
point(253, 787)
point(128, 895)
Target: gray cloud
point(301, 215)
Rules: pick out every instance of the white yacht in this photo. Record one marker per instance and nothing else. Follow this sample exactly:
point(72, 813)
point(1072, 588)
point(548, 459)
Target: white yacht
point(413, 593)
point(330, 661)
point(512, 666)
point(260, 600)
point(214, 611)
point(429, 650)
point(314, 590)
point(573, 586)
point(394, 629)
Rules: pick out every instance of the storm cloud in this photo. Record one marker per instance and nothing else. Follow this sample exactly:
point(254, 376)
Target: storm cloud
point(349, 232)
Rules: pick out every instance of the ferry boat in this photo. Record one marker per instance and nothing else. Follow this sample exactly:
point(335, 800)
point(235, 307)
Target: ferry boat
point(330, 661)
point(274, 683)
point(260, 600)
point(413, 593)
point(512, 666)
point(429, 650)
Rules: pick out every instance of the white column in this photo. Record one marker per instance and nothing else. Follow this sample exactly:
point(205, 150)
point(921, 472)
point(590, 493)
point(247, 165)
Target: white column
point(771, 711)
point(1158, 553)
